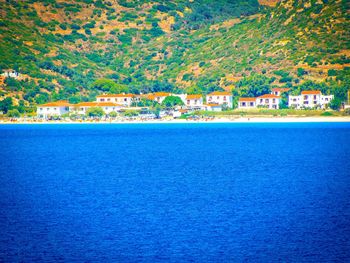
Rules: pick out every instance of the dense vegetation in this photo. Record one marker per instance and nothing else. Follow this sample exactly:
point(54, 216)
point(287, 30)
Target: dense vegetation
point(77, 49)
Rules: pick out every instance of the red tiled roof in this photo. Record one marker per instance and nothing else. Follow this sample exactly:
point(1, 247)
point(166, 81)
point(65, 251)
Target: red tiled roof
point(220, 93)
point(310, 92)
point(269, 96)
point(194, 97)
point(212, 105)
point(97, 104)
point(116, 96)
point(161, 94)
point(247, 99)
point(60, 103)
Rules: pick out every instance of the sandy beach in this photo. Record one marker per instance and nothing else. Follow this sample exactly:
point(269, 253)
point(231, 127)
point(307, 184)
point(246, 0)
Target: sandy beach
point(215, 120)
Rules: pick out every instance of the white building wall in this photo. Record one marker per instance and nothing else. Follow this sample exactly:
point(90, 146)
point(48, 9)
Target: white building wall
point(271, 103)
point(294, 102)
point(194, 103)
point(45, 112)
point(220, 99)
point(247, 104)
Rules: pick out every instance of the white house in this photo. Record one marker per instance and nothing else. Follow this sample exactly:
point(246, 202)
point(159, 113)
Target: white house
point(220, 97)
point(247, 103)
point(107, 107)
point(158, 96)
point(9, 73)
point(212, 107)
point(269, 101)
point(309, 99)
point(123, 99)
point(51, 109)
point(279, 91)
point(194, 101)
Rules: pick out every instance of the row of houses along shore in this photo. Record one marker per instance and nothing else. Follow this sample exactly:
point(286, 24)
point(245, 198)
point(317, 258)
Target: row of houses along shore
point(215, 101)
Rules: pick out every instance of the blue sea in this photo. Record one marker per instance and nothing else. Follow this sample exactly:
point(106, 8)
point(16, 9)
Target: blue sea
point(175, 192)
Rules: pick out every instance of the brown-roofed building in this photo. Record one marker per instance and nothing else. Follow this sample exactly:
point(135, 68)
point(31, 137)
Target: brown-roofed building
point(220, 97)
point(247, 103)
point(309, 99)
point(123, 99)
point(194, 101)
point(107, 107)
point(51, 109)
point(269, 101)
point(279, 91)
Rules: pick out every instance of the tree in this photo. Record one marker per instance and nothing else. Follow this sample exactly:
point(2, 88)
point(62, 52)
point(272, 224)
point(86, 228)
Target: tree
point(109, 86)
point(335, 104)
point(130, 113)
point(113, 114)
point(6, 105)
point(171, 101)
point(95, 112)
point(103, 84)
point(284, 101)
point(13, 113)
point(254, 85)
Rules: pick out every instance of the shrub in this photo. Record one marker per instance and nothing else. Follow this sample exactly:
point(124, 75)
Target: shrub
point(335, 104)
point(13, 113)
point(327, 113)
point(95, 112)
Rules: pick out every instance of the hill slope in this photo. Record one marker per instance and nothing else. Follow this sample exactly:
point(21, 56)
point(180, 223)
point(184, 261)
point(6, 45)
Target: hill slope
point(64, 46)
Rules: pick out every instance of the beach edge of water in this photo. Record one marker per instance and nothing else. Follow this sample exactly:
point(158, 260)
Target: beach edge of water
point(216, 120)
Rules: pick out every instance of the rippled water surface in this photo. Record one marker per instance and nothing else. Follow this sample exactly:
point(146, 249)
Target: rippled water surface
point(175, 192)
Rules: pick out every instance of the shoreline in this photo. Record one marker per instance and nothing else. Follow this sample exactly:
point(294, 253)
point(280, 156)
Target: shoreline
point(182, 121)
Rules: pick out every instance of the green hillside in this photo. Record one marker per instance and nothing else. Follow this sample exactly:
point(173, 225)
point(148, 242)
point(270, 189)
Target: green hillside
point(64, 48)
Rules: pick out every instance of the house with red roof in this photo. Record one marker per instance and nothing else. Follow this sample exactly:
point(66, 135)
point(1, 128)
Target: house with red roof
point(52, 109)
point(194, 101)
point(269, 101)
point(220, 97)
point(107, 107)
point(309, 99)
point(247, 103)
point(279, 91)
point(123, 99)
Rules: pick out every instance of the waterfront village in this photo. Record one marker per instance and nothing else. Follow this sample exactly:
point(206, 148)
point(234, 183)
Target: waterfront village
point(110, 105)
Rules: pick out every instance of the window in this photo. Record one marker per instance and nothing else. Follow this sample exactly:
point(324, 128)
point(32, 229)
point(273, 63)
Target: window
point(102, 99)
point(261, 100)
point(315, 97)
point(125, 99)
point(195, 102)
point(41, 108)
point(108, 99)
point(54, 108)
point(305, 97)
point(274, 100)
point(188, 102)
point(266, 100)
point(243, 104)
point(326, 99)
point(224, 98)
point(252, 104)
point(210, 98)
